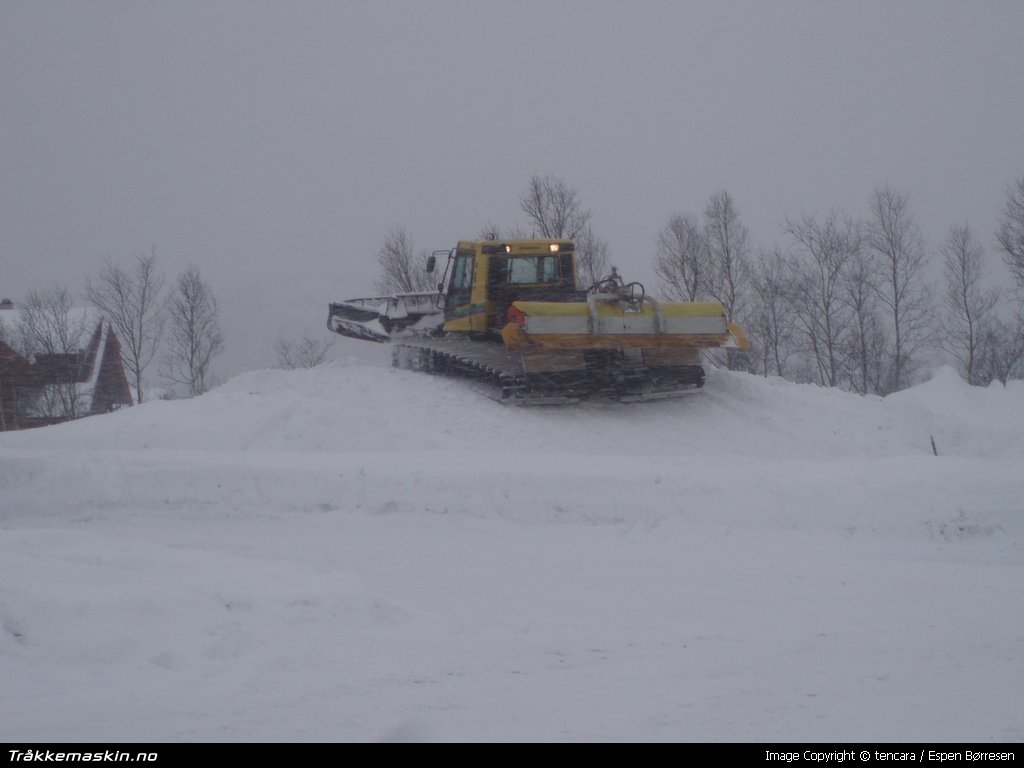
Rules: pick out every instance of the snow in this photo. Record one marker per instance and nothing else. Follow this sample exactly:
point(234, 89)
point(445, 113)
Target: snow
point(360, 553)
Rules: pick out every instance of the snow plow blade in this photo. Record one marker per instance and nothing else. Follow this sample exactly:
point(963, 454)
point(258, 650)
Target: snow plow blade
point(604, 321)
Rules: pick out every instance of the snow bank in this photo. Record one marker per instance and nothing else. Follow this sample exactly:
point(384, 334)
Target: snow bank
point(355, 406)
point(358, 553)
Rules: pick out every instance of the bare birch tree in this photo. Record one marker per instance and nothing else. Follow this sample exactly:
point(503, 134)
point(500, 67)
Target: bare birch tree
point(728, 243)
point(822, 316)
point(682, 259)
point(1011, 231)
point(553, 208)
point(968, 305)
point(401, 271)
point(729, 257)
point(591, 257)
point(893, 235)
point(130, 300)
point(770, 325)
point(864, 343)
point(195, 335)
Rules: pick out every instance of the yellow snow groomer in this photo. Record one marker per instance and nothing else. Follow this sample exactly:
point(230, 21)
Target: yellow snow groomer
point(511, 313)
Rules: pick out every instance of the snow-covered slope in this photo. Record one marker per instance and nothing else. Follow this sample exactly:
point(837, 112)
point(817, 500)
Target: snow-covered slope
point(355, 406)
point(356, 552)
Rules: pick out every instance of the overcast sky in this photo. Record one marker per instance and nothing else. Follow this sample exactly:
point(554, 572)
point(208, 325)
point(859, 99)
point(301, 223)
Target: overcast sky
point(274, 144)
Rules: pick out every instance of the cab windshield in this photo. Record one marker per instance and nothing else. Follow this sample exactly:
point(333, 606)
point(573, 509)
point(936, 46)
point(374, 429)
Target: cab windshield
point(527, 270)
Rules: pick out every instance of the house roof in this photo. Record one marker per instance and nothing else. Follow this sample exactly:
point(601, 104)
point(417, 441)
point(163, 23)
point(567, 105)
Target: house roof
point(86, 380)
point(100, 357)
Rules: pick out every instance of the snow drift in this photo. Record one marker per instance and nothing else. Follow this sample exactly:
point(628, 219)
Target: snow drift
point(357, 553)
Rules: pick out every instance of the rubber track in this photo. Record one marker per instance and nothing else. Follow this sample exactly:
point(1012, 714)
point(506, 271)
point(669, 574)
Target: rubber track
point(506, 378)
point(465, 358)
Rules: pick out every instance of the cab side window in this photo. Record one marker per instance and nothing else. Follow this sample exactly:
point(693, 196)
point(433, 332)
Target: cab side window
point(460, 285)
point(462, 273)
